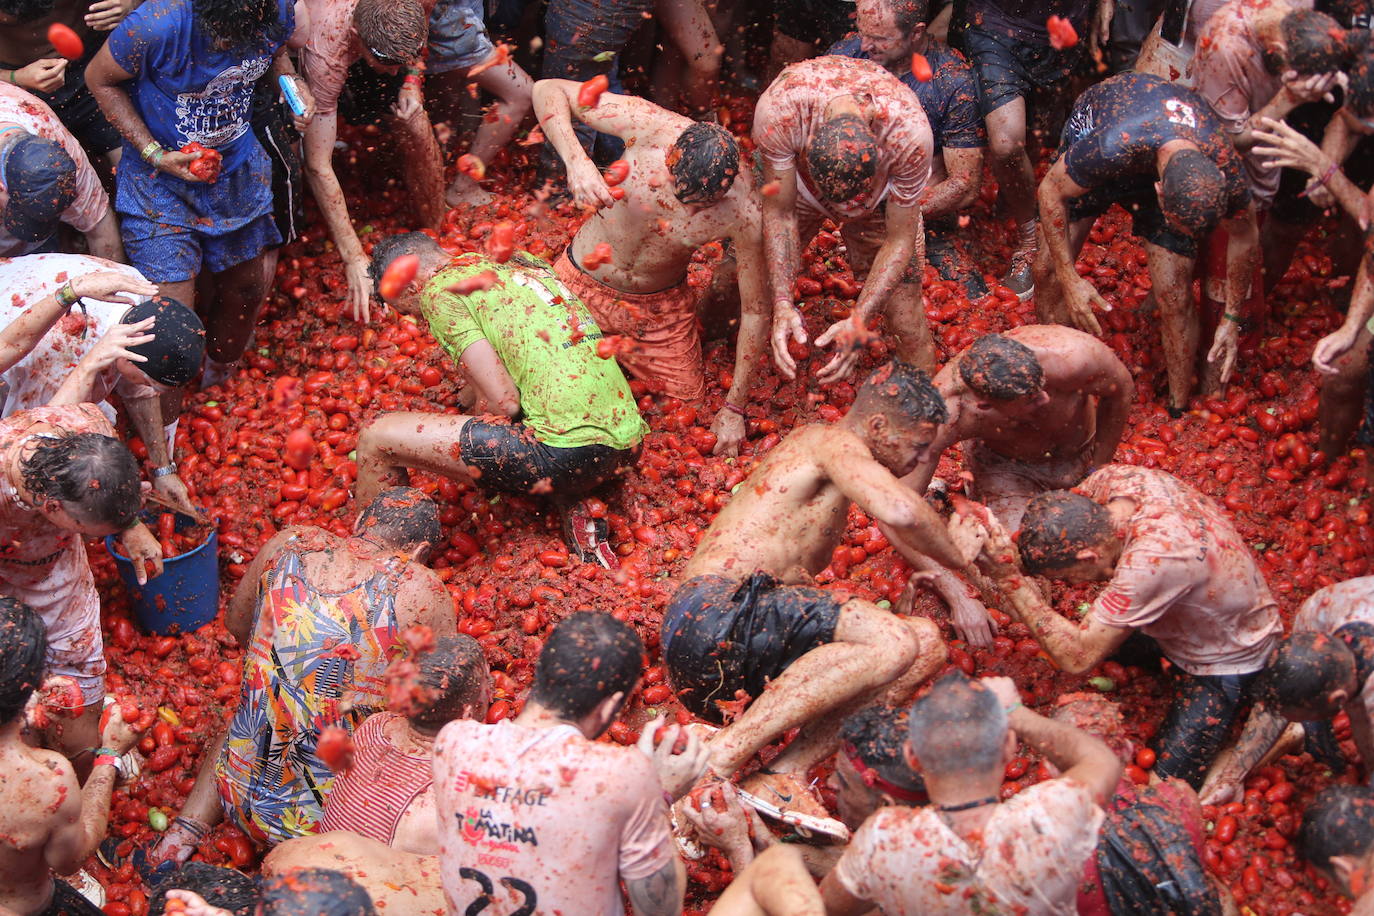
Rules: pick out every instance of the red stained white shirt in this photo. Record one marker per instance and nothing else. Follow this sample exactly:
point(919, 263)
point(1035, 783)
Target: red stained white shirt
point(35, 378)
point(908, 861)
point(91, 202)
point(332, 48)
point(792, 109)
point(40, 564)
point(1228, 72)
point(1185, 577)
point(545, 819)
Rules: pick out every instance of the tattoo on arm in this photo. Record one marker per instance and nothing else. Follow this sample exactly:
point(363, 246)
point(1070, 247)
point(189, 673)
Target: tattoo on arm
point(660, 894)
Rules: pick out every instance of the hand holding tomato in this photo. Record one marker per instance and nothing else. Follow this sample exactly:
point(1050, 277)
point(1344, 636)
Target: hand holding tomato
point(722, 821)
point(178, 163)
point(676, 771)
point(206, 164)
point(116, 732)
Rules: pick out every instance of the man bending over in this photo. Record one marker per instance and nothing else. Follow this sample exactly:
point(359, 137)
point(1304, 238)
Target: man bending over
point(1037, 408)
point(684, 188)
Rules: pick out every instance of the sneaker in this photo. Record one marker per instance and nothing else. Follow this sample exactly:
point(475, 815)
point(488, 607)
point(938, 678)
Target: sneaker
point(785, 798)
point(1020, 278)
point(587, 537)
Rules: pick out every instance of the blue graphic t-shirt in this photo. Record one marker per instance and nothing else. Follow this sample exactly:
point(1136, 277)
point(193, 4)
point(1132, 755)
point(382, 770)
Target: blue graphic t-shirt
point(187, 89)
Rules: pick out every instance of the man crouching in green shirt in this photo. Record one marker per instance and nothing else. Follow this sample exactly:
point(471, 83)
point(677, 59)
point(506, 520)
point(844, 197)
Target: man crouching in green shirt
point(528, 347)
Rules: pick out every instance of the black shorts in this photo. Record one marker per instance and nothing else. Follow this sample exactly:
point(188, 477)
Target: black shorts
point(67, 902)
point(1147, 862)
point(722, 635)
point(273, 127)
point(1198, 723)
point(76, 108)
point(508, 457)
point(1005, 67)
point(1147, 220)
point(367, 94)
point(816, 22)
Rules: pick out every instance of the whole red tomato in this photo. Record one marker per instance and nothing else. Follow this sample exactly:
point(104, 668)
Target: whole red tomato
point(207, 166)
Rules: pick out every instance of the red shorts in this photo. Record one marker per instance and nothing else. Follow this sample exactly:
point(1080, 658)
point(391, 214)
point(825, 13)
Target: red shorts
point(663, 326)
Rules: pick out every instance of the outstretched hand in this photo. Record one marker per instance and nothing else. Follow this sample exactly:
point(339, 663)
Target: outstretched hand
point(787, 327)
point(1224, 347)
point(849, 337)
point(999, 558)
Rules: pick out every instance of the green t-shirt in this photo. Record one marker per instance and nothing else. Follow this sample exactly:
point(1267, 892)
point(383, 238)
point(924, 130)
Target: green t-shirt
point(568, 394)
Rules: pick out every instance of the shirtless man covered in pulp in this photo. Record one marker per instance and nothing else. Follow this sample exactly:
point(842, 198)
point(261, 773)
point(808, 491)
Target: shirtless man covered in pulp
point(745, 619)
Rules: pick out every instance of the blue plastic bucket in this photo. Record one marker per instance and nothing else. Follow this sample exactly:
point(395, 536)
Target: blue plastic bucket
point(185, 597)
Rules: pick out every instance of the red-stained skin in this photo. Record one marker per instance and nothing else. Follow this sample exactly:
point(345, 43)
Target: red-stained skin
point(297, 388)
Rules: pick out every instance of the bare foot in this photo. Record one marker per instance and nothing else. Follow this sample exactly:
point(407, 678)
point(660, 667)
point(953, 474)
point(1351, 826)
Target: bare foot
point(464, 192)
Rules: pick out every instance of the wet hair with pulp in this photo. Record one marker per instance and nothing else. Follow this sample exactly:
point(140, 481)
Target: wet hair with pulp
point(1304, 666)
point(23, 645)
point(1056, 526)
point(1192, 191)
point(314, 891)
point(239, 22)
point(958, 727)
point(703, 160)
point(587, 658)
point(226, 888)
point(1001, 369)
point(393, 247)
point(397, 29)
point(842, 158)
point(878, 734)
point(1313, 42)
point(1339, 822)
point(450, 676)
point(401, 517)
point(95, 475)
point(902, 392)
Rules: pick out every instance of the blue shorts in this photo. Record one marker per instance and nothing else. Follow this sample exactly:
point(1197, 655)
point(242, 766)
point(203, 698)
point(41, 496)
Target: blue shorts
point(457, 36)
point(173, 229)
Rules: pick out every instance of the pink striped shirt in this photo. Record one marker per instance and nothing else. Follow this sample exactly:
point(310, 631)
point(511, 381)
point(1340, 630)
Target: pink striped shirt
point(381, 786)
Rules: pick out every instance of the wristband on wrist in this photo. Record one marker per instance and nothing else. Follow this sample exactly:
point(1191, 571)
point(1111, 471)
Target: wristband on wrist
point(413, 79)
point(1231, 317)
point(734, 408)
point(106, 760)
point(14, 77)
point(166, 470)
point(1013, 707)
point(415, 70)
point(66, 296)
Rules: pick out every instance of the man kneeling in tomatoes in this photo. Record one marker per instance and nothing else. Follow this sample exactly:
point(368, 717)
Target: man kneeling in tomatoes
point(551, 414)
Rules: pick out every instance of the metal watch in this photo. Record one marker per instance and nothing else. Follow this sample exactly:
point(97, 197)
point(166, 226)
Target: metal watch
point(166, 470)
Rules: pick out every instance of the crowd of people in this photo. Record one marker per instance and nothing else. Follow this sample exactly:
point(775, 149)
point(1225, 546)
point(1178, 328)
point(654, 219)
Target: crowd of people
point(156, 156)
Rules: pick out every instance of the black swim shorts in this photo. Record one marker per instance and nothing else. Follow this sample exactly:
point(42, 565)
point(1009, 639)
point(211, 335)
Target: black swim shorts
point(1148, 862)
point(722, 635)
point(1198, 723)
point(508, 457)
